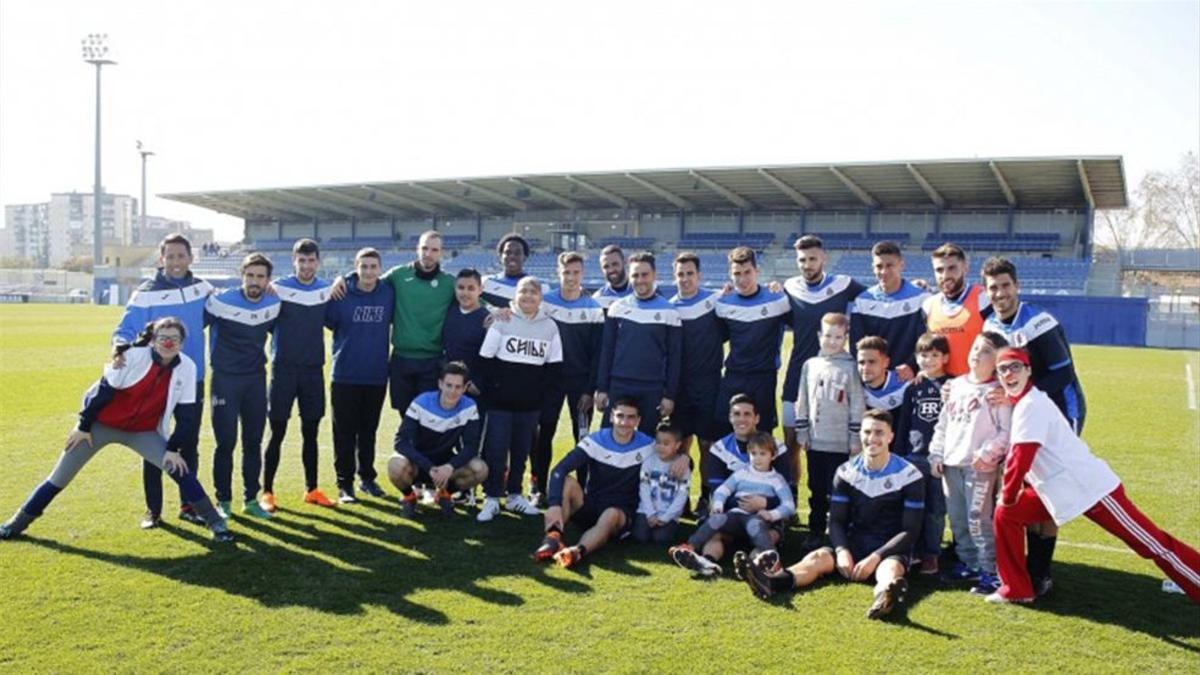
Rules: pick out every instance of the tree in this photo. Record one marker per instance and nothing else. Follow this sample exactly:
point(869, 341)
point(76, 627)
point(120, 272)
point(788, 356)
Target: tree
point(1164, 212)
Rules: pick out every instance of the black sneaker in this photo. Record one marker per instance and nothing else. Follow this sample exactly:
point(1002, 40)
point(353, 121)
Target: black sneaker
point(758, 579)
point(372, 488)
point(222, 535)
point(740, 562)
point(887, 599)
point(347, 497)
point(150, 521)
point(1042, 586)
point(7, 532)
point(188, 515)
point(767, 561)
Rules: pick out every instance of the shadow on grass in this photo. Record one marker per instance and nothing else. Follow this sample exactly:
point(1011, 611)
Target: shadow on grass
point(1131, 601)
point(342, 564)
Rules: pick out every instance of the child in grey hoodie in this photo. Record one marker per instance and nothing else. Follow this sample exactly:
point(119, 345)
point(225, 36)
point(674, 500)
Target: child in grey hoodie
point(829, 410)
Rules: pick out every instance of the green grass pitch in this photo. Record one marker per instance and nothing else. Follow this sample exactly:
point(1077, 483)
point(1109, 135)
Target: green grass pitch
point(361, 588)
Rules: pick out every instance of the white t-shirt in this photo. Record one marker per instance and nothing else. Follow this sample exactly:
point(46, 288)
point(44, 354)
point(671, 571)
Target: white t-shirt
point(1067, 477)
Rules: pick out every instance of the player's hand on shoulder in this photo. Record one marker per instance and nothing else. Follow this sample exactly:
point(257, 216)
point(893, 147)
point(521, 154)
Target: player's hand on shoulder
point(904, 372)
point(997, 396)
point(681, 468)
point(337, 290)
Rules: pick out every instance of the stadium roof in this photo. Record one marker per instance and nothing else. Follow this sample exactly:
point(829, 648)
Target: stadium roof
point(1027, 183)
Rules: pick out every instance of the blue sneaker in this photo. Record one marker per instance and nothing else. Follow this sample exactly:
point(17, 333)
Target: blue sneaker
point(962, 572)
point(987, 584)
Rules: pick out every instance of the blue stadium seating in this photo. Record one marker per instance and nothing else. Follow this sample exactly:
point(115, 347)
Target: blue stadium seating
point(629, 243)
point(853, 241)
point(1047, 275)
point(990, 241)
point(725, 240)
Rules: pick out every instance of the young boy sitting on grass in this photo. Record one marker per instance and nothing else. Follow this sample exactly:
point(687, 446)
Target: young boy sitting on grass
point(758, 479)
point(969, 442)
point(661, 498)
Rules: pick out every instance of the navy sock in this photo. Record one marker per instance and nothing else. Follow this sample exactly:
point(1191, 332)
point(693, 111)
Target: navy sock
point(41, 498)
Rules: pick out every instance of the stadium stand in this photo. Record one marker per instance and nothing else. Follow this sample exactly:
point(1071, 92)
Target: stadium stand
point(852, 241)
point(1044, 275)
point(987, 241)
point(629, 243)
point(726, 240)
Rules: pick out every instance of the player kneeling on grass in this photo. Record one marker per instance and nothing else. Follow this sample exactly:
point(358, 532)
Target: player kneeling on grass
point(1051, 474)
point(758, 479)
point(613, 459)
point(133, 406)
point(874, 519)
point(437, 443)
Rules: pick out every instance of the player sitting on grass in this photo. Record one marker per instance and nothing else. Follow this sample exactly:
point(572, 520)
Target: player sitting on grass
point(875, 517)
point(661, 496)
point(438, 443)
point(132, 406)
point(757, 479)
point(969, 441)
point(613, 459)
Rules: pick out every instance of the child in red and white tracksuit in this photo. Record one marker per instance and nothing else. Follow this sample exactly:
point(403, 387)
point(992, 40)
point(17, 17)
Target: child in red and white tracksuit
point(1051, 474)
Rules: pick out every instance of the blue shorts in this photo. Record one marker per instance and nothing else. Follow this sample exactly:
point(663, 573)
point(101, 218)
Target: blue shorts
point(758, 386)
point(306, 386)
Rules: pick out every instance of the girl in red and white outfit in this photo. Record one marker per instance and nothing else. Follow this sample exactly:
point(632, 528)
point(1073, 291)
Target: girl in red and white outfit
point(1051, 474)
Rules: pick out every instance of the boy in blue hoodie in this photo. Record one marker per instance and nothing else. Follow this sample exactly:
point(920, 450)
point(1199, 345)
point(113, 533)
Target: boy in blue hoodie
point(361, 324)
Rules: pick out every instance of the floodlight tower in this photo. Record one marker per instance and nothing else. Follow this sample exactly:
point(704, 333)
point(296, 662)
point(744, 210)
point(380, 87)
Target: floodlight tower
point(96, 52)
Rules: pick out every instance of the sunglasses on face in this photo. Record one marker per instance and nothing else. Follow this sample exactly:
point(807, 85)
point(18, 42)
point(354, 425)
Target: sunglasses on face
point(165, 339)
point(1010, 367)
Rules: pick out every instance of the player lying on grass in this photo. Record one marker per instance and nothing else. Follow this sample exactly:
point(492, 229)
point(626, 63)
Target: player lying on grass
point(1051, 474)
point(874, 519)
point(438, 442)
point(758, 479)
point(605, 508)
point(132, 406)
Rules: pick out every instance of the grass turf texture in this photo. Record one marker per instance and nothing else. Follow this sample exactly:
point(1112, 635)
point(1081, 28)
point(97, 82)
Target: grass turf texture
point(360, 587)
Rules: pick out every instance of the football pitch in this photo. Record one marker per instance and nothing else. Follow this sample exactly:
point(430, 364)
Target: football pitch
point(361, 588)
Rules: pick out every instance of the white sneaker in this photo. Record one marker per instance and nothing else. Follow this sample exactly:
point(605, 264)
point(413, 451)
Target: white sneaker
point(518, 504)
point(491, 509)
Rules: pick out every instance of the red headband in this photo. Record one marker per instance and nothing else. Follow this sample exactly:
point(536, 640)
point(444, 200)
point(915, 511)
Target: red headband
point(1013, 354)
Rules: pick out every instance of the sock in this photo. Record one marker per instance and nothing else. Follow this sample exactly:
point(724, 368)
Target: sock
point(782, 582)
point(40, 498)
point(204, 508)
point(308, 451)
point(554, 529)
point(1041, 551)
point(582, 550)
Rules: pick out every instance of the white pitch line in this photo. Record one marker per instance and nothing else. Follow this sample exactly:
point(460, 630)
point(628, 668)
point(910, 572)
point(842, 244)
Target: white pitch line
point(1096, 547)
point(1191, 385)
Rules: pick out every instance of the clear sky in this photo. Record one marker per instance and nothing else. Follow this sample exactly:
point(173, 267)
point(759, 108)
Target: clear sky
point(236, 94)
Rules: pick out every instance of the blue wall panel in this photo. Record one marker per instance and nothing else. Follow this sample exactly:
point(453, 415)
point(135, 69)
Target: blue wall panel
point(1098, 320)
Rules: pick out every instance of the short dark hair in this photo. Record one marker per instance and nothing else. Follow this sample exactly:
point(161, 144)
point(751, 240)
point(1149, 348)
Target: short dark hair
point(174, 239)
point(809, 241)
point(625, 402)
point(872, 342)
point(368, 252)
point(613, 248)
point(256, 258)
point(455, 368)
point(880, 415)
point(643, 256)
point(688, 257)
point(761, 439)
point(469, 273)
point(512, 236)
point(743, 255)
point(995, 339)
point(668, 427)
point(306, 246)
point(949, 250)
point(743, 398)
point(886, 248)
point(995, 266)
point(568, 257)
point(933, 342)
